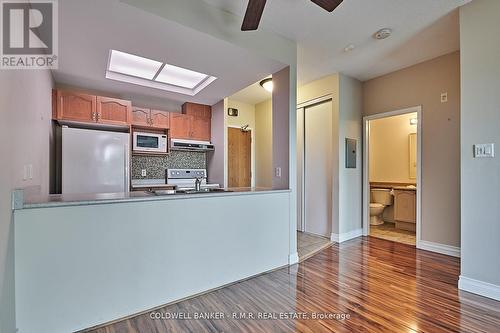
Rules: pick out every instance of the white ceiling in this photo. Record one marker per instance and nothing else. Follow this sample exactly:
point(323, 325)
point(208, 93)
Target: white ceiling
point(89, 29)
point(422, 30)
point(253, 94)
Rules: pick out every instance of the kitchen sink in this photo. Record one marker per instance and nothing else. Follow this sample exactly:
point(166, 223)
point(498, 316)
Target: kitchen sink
point(204, 190)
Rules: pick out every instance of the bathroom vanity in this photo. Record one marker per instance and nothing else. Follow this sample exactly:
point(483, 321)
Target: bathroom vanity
point(405, 208)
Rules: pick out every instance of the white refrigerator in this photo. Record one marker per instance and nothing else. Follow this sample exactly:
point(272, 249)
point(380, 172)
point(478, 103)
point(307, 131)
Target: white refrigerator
point(94, 161)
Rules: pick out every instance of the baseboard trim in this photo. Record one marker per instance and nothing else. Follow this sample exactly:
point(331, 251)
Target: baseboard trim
point(479, 287)
point(293, 258)
point(344, 237)
point(439, 248)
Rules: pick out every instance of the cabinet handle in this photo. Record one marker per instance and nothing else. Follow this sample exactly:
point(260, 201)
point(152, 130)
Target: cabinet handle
point(98, 116)
point(93, 116)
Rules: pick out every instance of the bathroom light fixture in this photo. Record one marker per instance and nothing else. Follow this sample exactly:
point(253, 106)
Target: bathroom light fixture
point(267, 84)
point(382, 33)
point(146, 72)
point(413, 121)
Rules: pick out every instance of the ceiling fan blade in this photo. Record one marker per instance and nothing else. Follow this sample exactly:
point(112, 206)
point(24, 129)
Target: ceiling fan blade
point(253, 15)
point(328, 5)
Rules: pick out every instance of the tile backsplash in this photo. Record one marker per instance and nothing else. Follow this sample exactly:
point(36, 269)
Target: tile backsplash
point(155, 165)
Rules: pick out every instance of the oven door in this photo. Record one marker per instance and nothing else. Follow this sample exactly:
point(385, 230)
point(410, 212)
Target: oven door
point(147, 142)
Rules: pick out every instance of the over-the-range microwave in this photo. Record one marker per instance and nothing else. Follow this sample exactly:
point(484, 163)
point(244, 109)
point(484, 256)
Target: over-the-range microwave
point(149, 142)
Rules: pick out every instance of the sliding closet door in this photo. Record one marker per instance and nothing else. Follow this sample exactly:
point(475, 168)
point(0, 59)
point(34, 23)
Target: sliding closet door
point(318, 168)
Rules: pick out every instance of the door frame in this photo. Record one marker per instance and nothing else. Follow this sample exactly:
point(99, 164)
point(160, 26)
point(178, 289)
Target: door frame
point(252, 152)
point(366, 166)
point(301, 202)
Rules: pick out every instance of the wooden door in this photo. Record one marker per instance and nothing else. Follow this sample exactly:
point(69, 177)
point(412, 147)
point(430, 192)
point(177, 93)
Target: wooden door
point(180, 125)
point(141, 116)
point(160, 119)
point(113, 111)
point(75, 106)
point(405, 206)
point(239, 158)
point(200, 129)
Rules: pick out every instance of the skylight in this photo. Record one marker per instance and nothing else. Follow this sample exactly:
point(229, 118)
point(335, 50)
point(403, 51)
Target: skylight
point(142, 71)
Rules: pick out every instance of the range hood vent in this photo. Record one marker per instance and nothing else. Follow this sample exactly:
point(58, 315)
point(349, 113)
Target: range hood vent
point(190, 145)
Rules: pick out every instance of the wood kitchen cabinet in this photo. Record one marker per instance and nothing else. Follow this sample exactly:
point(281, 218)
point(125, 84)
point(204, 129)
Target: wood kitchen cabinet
point(184, 126)
point(113, 111)
point(405, 208)
point(75, 106)
point(197, 110)
point(150, 118)
point(180, 125)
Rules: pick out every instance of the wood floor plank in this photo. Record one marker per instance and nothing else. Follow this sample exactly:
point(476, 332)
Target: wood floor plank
point(381, 285)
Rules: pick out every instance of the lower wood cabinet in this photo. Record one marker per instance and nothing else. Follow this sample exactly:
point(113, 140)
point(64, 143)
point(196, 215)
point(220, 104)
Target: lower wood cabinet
point(405, 206)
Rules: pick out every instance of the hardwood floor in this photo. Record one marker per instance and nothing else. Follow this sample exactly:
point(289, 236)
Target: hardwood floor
point(379, 285)
point(309, 244)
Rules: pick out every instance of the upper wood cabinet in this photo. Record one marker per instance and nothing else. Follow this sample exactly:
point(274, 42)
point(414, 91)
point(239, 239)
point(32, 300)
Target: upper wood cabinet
point(200, 129)
point(150, 118)
point(160, 119)
point(405, 206)
point(180, 125)
point(140, 116)
point(75, 106)
point(113, 111)
point(197, 110)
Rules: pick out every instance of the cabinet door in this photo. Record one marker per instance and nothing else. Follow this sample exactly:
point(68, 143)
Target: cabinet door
point(160, 119)
point(405, 206)
point(180, 125)
point(201, 129)
point(197, 110)
point(141, 116)
point(76, 106)
point(113, 111)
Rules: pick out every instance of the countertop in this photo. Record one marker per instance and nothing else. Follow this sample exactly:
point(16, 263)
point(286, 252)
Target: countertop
point(404, 188)
point(60, 200)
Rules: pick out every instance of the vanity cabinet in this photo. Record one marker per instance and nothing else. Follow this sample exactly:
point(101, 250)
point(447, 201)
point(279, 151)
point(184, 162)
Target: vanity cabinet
point(405, 209)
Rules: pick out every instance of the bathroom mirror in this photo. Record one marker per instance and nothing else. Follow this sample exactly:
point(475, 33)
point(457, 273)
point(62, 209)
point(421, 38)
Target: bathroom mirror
point(412, 139)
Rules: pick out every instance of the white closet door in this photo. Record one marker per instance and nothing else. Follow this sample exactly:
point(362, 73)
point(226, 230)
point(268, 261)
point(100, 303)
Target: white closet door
point(318, 169)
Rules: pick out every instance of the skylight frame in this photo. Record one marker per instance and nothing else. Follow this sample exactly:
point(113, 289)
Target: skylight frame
point(191, 90)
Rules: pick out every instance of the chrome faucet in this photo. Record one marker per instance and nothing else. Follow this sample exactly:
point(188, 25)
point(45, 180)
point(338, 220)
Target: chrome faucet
point(197, 184)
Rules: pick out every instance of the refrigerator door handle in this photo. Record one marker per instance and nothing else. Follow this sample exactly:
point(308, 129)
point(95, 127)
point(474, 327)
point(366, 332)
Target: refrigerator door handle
point(126, 168)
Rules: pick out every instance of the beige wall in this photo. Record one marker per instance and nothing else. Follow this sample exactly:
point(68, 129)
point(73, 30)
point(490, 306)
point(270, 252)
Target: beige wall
point(423, 84)
point(25, 138)
point(480, 179)
point(263, 144)
point(390, 149)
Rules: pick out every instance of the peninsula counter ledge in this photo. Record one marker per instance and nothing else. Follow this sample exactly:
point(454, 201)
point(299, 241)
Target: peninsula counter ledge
point(116, 255)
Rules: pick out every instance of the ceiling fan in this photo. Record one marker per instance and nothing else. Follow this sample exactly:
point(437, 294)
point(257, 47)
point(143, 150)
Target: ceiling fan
point(256, 7)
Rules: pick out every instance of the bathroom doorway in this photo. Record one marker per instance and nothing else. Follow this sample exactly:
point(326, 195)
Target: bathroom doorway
point(392, 175)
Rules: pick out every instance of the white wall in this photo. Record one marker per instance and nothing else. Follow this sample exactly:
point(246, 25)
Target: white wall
point(350, 180)
point(80, 266)
point(25, 136)
point(216, 160)
point(480, 123)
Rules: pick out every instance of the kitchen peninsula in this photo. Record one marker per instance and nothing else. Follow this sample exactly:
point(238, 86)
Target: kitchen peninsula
point(118, 254)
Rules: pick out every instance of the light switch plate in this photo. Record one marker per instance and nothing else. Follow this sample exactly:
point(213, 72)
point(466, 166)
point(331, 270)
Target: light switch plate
point(444, 97)
point(482, 150)
point(277, 172)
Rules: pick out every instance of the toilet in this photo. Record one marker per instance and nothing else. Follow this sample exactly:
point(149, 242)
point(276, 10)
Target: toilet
point(380, 198)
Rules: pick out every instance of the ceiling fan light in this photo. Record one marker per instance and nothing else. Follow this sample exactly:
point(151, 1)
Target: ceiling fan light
point(267, 84)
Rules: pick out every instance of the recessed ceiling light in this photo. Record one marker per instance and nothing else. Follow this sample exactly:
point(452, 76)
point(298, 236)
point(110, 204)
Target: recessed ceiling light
point(129, 64)
point(146, 72)
point(382, 33)
point(267, 84)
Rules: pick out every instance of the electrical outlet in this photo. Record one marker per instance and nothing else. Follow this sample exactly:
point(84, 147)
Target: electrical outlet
point(25, 172)
point(444, 97)
point(30, 171)
point(484, 150)
point(277, 172)
point(143, 173)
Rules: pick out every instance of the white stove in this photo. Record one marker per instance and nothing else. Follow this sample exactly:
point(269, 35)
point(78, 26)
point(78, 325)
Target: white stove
point(185, 179)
